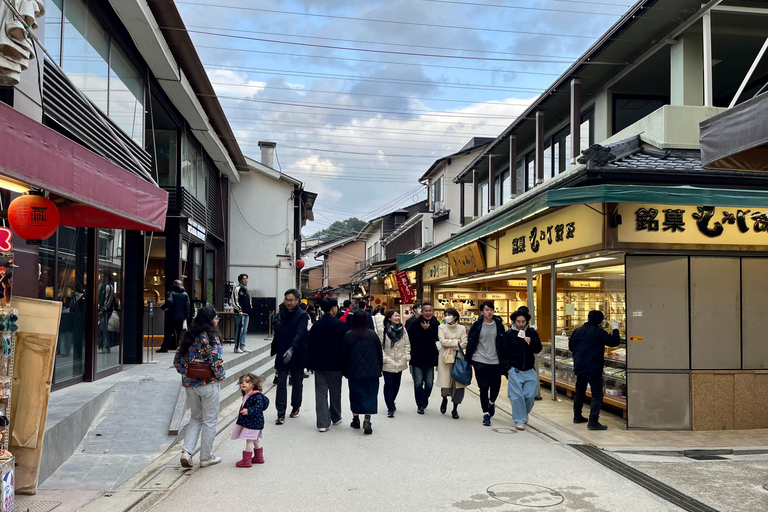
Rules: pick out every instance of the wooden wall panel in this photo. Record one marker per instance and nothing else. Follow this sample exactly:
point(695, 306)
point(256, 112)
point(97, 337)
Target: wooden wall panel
point(712, 401)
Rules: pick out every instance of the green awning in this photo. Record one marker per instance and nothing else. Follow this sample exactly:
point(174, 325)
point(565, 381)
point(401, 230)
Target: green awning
point(682, 195)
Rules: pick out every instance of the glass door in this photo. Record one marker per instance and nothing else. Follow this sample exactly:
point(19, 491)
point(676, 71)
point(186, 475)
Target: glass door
point(110, 294)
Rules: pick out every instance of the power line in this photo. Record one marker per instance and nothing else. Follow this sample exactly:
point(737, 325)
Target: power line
point(358, 153)
point(475, 4)
point(432, 148)
point(461, 139)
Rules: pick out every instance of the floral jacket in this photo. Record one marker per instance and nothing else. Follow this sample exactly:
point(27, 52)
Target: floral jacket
point(203, 349)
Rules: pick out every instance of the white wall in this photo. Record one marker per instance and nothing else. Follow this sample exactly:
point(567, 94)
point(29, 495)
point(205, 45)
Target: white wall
point(261, 227)
point(443, 229)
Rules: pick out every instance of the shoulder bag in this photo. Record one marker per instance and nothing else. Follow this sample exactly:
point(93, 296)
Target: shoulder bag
point(461, 371)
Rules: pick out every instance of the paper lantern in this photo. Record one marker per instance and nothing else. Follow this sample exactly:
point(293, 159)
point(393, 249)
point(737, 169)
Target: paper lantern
point(33, 217)
point(299, 264)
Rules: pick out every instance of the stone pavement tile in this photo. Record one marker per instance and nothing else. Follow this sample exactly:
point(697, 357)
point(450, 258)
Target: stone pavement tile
point(412, 462)
point(71, 501)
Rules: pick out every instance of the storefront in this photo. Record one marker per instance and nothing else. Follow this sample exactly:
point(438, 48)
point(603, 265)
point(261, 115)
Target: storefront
point(687, 281)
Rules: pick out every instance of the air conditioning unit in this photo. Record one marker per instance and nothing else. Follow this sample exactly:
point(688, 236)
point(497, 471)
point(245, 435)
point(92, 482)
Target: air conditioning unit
point(439, 206)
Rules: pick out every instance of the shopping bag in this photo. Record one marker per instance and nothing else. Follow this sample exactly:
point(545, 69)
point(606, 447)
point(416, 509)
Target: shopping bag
point(461, 371)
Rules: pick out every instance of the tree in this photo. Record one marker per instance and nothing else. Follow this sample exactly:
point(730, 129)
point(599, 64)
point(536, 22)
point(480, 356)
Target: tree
point(338, 229)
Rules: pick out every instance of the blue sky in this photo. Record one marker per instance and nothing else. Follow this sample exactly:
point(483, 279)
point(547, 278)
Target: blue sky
point(360, 126)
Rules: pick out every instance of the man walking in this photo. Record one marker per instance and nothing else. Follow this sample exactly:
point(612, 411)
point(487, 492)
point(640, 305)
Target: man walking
point(324, 357)
point(483, 349)
point(290, 348)
point(423, 336)
point(177, 305)
point(345, 306)
point(587, 343)
point(241, 301)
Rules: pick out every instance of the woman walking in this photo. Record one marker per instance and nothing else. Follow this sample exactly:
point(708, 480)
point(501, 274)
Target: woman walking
point(397, 353)
point(451, 335)
point(198, 360)
point(362, 367)
point(518, 356)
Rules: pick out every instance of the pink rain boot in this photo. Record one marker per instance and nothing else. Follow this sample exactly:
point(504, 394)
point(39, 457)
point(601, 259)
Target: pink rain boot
point(258, 456)
point(246, 462)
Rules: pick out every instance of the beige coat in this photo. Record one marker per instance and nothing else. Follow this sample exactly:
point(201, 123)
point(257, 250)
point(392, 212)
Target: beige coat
point(395, 358)
point(450, 336)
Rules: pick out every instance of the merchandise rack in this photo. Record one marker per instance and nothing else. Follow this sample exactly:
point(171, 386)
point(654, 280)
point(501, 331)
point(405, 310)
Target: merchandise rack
point(6, 465)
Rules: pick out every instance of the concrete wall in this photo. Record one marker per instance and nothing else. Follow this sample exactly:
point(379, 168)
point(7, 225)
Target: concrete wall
point(372, 236)
point(341, 262)
point(261, 227)
point(315, 278)
point(444, 229)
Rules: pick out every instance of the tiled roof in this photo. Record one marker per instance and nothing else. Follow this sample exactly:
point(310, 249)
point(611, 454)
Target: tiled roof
point(668, 161)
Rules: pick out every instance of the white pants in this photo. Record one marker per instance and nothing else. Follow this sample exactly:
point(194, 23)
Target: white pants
point(204, 404)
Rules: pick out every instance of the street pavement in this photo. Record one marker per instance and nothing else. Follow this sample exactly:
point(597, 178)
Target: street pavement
point(411, 462)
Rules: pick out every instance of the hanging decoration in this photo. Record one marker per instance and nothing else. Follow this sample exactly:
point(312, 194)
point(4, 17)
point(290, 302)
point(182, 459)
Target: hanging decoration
point(299, 264)
point(33, 217)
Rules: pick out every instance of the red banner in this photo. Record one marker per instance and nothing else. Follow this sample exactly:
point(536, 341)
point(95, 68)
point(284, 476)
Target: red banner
point(406, 290)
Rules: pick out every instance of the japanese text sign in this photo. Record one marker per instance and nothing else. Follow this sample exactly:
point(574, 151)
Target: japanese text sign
point(701, 225)
point(467, 260)
point(404, 285)
point(435, 270)
point(568, 230)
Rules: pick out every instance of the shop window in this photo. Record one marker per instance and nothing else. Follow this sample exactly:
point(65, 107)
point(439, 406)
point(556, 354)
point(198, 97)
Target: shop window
point(110, 299)
point(126, 94)
point(86, 52)
point(210, 267)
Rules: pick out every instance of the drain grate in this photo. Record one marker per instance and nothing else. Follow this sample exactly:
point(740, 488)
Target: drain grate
point(658, 488)
point(526, 495)
point(35, 506)
point(163, 479)
point(705, 457)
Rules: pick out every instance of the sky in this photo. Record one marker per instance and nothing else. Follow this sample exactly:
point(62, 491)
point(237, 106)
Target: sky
point(362, 97)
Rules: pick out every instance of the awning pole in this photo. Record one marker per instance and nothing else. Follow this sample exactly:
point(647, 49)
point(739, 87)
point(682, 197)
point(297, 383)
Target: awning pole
point(532, 311)
point(553, 309)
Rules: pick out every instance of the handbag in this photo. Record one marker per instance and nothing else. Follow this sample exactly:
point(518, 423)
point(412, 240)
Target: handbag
point(200, 370)
point(113, 325)
point(461, 371)
point(448, 356)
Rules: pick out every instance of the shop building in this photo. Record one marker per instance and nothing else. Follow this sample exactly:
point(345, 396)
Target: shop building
point(136, 135)
point(637, 228)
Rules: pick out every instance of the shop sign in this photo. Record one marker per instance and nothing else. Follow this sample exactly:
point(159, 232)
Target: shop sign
point(406, 290)
point(435, 270)
point(6, 235)
point(467, 260)
point(585, 284)
point(457, 296)
point(703, 225)
point(390, 282)
point(495, 296)
point(517, 283)
point(561, 342)
point(565, 231)
point(196, 230)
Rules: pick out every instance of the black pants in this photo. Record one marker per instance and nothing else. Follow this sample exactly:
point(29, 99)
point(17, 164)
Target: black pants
point(595, 381)
point(391, 388)
point(173, 342)
point(297, 378)
point(488, 378)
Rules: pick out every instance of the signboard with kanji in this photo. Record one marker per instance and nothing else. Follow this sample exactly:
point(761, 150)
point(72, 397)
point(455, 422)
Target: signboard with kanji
point(435, 270)
point(693, 225)
point(467, 260)
point(404, 285)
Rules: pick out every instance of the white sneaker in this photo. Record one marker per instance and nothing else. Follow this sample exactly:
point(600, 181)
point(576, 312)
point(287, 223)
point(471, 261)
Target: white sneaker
point(244, 350)
point(186, 460)
point(337, 422)
point(210, 462)
point(238, 351)
point(520, 427)
point(322, 429)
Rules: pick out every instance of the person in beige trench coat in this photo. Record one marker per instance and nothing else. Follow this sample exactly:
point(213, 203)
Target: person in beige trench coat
point(450, 335)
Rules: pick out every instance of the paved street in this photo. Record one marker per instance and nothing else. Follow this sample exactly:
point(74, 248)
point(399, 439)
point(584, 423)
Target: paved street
point(411, 462)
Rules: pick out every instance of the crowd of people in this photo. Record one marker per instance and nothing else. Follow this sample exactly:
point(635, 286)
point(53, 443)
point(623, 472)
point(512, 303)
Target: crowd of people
point(363, 345)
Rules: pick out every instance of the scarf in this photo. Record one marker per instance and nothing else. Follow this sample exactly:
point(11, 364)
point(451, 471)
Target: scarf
point(394, 333)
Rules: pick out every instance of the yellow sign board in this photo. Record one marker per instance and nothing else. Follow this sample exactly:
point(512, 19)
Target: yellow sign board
point(467, 260)
point(435, 270)
point(636, 338)
point(565, 231)
point(457, 296)
point(497, 296)
point(517, 283)
point(585, 284)
point(688, 225)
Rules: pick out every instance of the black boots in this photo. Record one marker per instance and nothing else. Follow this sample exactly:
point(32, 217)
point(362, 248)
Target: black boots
point(579, 418)
point(594, 424)
point(444, 405)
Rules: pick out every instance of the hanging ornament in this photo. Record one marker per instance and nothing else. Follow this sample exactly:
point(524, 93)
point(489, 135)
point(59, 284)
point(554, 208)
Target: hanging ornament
point(33, 217)
point(299, 264)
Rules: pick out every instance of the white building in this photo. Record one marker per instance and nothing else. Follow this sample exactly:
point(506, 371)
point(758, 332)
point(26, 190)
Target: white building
point(268, 208)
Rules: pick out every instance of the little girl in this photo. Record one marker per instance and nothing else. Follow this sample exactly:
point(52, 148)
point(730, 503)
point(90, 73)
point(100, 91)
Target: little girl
point(250, 422)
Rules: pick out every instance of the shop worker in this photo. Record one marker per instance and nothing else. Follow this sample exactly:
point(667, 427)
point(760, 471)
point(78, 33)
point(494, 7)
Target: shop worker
point(423, 335)
point(518, 357)
point(241, 303)
point(289, 347)
point(587, 343)
point(483, 349)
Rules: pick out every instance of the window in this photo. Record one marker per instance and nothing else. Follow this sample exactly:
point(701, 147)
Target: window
point(587, 130)
point(483, 198)
point(498, 198)
point(110, 295)
point(86, 52)
point(53, 27)
point(530, 170)
point(520, 176)
point(126, 94)
point(506, 187)
point(437, 193)
point(194, 169)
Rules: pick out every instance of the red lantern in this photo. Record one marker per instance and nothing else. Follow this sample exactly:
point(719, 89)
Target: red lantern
point(329, 295)
point(299, 264)
point(33, 217)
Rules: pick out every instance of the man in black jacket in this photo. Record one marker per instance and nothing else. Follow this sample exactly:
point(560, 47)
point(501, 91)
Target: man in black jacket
point(483, 349)
point(324, 356)
point(177, 306)
point(588, 344)
point(241, 303)
point(518, 356)
point(423, 337)
point(290, 348)
point(345, 306)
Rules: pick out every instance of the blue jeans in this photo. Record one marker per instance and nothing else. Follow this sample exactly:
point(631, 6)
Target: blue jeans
point(522, 393)
point(423, 379)
point(241, 328)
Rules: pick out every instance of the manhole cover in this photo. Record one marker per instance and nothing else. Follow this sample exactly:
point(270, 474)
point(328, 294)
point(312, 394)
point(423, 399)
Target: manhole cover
point(526, 495)
point(36, 506)
point(503, 430)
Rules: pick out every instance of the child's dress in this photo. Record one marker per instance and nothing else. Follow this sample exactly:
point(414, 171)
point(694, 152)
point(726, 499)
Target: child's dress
point(250, 426)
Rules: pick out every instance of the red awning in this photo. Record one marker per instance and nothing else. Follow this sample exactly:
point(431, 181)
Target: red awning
point(104, 194)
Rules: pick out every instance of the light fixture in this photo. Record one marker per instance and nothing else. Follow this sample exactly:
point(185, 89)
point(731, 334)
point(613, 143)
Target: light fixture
point(13, 186)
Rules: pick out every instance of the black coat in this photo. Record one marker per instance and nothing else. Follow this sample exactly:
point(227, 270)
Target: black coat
point(423, 343)
point(256, 405)
point(516, 353)
point(363, 358)
point(178, 304)
point(324, 348)
point(291, 333)
point(473, 339)
point(588, 344)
